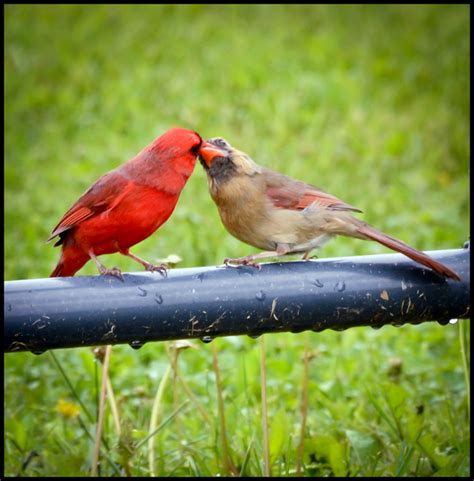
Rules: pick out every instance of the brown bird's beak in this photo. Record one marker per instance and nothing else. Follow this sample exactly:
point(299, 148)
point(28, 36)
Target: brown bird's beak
point(208, 152)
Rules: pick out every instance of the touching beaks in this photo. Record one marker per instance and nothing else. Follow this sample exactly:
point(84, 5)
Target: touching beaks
point(208, 152)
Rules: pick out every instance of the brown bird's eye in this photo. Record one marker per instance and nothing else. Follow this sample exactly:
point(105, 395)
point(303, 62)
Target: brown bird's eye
point(220, 142)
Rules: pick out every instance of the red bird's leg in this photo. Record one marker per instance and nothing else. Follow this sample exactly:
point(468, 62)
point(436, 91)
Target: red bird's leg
point(115, 271)
point(282, 249)
point(148, 266)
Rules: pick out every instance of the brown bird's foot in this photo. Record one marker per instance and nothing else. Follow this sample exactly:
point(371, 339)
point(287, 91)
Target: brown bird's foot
point(307, 257)
point(162, 268)
point(242, 261)
point(115, 271)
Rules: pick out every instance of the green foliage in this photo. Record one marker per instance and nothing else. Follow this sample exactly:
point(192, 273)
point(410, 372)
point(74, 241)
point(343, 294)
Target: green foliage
point(371, 103)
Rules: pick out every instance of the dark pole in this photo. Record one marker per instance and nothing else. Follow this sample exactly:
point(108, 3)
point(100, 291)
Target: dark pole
point(206, 302)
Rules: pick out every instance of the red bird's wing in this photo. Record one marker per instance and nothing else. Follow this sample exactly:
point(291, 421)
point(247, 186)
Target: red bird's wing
point(103, 195)
point(288, 193)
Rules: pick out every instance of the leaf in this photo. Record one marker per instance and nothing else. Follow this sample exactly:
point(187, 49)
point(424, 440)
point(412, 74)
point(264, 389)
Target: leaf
point(381, 412)
point(413, 427)
point(333, 450)
point(19, 433)
point(278, 433)
point(453, 467)
point(363, 444)
point(396, 396)
point(428, 446)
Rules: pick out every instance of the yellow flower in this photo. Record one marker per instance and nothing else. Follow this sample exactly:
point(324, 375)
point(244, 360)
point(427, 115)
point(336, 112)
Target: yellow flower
point(68, 409)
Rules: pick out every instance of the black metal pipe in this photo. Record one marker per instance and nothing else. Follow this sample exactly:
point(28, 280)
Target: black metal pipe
point(206, 302)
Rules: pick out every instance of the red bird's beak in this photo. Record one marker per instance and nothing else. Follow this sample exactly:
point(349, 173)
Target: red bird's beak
point(208, 152)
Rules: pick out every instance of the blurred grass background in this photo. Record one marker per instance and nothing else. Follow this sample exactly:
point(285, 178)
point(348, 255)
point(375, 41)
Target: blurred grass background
point(370, 103)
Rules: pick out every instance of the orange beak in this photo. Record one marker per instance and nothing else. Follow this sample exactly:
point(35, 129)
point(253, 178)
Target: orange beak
point(208, 152)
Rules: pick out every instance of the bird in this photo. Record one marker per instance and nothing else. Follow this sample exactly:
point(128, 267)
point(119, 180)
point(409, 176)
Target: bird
point(282, 215)
point(126, 205)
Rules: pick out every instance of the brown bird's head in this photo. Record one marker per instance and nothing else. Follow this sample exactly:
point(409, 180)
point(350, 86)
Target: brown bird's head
point(221, 161)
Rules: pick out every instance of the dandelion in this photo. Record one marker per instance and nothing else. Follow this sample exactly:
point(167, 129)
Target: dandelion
point(67, 408)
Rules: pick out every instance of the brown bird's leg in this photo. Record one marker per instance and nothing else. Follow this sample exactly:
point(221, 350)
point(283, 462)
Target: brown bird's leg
point(282, 249)
point(148, 266)
point(115, 271)
point(249, 260)
point(308, 247)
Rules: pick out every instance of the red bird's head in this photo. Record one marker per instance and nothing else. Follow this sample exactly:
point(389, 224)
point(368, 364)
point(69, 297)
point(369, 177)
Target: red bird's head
point(180, 141)
point(176, 148)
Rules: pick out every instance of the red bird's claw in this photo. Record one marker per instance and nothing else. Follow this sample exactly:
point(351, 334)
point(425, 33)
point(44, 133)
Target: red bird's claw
point(115, 271)
point(162, 269)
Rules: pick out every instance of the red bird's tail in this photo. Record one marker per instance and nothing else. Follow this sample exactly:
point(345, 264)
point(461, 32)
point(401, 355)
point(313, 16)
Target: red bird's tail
point(70, 262)
point(371, 233)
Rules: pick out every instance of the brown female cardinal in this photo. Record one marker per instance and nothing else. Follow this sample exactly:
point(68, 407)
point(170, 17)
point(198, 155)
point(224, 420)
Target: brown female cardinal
point(272, 211)
point(127, 204)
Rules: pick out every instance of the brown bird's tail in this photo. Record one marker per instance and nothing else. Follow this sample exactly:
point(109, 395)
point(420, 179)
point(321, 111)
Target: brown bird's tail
point(371, 233)
point(69, 263)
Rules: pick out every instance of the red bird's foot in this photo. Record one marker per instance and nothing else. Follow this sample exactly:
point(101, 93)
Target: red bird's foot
point(162, 269)
point(115, 271)
point(242, 261)
point(148, 265)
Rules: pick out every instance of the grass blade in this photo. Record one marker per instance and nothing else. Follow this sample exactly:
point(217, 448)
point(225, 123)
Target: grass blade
point(154, 419)
point(263, 380)
point(71, 387)
point(161, 426)
point(228, 465)
point(462, 327)
point(304, 404)
point(100, 422)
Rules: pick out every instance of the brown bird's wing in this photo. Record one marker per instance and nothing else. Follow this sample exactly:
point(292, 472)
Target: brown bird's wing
point(104, 194)
point(288, 193)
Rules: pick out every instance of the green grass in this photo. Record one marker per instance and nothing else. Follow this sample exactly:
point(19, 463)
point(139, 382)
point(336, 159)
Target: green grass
point(371, 103)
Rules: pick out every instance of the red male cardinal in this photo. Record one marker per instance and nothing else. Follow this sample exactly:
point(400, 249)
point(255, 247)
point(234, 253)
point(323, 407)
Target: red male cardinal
point(272, 211)
point(127, 204)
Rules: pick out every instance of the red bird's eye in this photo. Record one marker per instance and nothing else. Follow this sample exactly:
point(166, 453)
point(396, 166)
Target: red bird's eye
point(195, 149)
